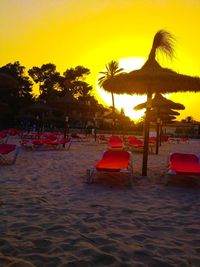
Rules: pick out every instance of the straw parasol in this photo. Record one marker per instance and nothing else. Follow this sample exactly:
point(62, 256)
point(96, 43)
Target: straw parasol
point(161, 104)
point(152, 78)
point(163, 116)
point(160, 101)
point(39, 110)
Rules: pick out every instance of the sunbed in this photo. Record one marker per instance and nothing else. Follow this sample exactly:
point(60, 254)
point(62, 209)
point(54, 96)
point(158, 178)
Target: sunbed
point(45, 144)
point(3, 137)
point(115, 142)
point(135, 144)
point(112, 161)
point(183, 165)
point(5, 152)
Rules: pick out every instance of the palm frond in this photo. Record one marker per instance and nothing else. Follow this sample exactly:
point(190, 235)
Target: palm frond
point(112, 69)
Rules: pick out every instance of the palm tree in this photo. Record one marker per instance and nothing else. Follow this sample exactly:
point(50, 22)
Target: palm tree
point(112, 69)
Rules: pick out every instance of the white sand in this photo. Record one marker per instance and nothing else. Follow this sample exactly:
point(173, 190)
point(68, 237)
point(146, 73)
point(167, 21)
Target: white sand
point(50, 217)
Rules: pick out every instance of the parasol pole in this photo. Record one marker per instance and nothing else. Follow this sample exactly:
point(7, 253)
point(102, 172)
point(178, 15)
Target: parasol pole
point(146, 134)
point(157, 130)
point(113, 108)
point(157, 134)
point(161, 133)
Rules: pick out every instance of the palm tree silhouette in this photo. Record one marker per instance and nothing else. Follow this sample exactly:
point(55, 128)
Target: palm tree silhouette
point(112, 69)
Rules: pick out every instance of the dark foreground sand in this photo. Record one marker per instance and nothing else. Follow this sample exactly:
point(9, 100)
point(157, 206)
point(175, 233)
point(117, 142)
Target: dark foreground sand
point(50, 217)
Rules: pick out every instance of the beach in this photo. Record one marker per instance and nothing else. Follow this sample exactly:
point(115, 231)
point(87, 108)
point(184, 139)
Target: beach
point(51, 217)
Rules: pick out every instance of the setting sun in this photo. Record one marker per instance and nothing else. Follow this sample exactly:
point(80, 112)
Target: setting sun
point(87, 33)
point(126, 102)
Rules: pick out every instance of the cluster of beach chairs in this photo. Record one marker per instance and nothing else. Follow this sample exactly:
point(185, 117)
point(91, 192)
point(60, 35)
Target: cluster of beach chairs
point(35, 141)
point(117, 158)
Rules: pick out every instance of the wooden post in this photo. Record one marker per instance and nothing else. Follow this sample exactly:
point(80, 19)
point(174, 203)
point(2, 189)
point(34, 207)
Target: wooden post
point(161, 133)
point(113, 111)
point(65, 128)
point(146, 134)
point(157, 135)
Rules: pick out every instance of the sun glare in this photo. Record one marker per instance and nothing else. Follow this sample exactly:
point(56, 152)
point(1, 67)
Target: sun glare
point(126, 102)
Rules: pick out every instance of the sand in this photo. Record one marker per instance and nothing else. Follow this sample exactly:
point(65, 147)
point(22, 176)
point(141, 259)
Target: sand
point(49, 216)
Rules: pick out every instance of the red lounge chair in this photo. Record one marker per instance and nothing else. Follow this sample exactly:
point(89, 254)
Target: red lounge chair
point(115, 142)
point(152, 139)
point(102, 139)
point(5, 150)
point(45, 144)
point(183, 165)
point(113, 161)
point(3, 136)
point(184, 140)
point(135, 143)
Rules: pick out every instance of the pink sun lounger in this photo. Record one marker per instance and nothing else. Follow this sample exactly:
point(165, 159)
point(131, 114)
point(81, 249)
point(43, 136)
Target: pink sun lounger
point(45, 144)
point(112, 161)
point(115, 142)
point(7, 149)
point(183, 165)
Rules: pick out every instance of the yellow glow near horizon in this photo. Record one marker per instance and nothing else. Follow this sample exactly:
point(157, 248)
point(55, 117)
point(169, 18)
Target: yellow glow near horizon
point(92, 33)
point(126, 102)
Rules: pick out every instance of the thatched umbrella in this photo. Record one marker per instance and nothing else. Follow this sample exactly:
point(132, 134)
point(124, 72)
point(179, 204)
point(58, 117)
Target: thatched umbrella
point(69, 105)
point(160, 117)
point(38, 109)
point(112, 115)
point(161, 104)
point(152, 78)
point(160, 101)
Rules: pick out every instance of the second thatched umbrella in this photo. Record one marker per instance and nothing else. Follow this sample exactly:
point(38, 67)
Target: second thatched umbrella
point(160, 101)
point(160, 104)
point(152, 78)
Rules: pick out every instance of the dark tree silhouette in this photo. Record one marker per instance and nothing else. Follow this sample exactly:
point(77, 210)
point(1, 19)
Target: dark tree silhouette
point(49, 80)
point(74, 81)
point(21, 95)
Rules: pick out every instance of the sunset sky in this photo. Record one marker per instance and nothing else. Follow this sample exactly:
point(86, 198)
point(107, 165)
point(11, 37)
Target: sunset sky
point(92, 33)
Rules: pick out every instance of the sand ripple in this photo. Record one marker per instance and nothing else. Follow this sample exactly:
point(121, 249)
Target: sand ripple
point(50, 217)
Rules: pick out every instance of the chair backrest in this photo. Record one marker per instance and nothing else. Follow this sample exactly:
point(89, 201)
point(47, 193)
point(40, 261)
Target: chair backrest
point(116, 154)
point(6, 148)
point(114, 139)
point(152, 139)
point(3, 134)
point(135, 141)
point(184, 157)
point(184, 139)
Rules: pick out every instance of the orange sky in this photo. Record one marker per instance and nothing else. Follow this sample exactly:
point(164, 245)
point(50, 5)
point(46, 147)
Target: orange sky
point(92, 33)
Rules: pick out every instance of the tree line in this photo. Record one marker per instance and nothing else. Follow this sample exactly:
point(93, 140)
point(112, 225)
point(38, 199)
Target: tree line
point(65, 93)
